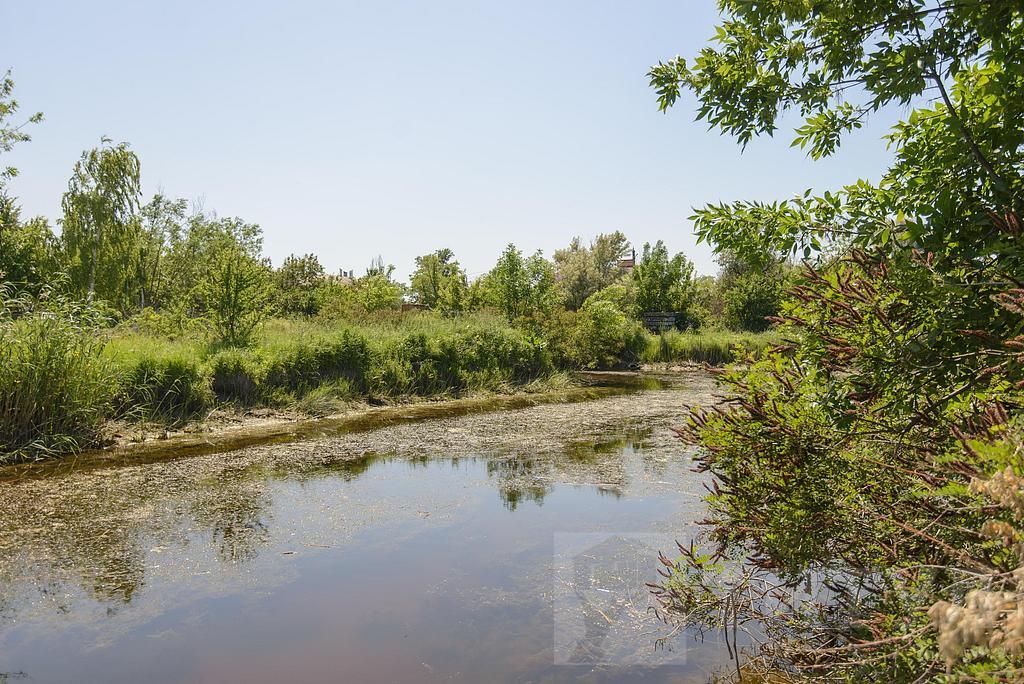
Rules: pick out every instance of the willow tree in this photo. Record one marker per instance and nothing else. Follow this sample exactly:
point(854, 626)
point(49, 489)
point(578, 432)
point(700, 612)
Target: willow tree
point(99, 217)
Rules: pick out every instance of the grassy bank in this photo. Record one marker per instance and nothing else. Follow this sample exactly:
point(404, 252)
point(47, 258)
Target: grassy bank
point(714, 347)
point(314, 366)
point(62, 380)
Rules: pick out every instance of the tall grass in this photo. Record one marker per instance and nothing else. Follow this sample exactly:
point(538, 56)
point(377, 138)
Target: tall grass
point(60, 379)
point(714, 347)
point(55, 391)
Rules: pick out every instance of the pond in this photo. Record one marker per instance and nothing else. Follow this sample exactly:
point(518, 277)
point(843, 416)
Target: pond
point(483, 547)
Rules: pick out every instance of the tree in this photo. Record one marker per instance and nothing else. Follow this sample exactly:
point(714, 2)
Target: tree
point(879, 450)
point(237, 291)
point(28, 250)
point(599, 337)
point(25, 249)
point(161, 225)
point(436, 274)
point(376, 291)
point(750, 289)
point(297, 281)
point(454, 297)
point(196, 246)
point(99, 208)
point(581, 271)
point(662, 284)
point(522, 286)
point(11, 133)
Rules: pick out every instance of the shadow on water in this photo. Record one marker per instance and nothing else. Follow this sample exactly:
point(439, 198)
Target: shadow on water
point(314, 565)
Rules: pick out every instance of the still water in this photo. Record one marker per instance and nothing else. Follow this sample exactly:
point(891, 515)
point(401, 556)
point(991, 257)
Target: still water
point(500, 547)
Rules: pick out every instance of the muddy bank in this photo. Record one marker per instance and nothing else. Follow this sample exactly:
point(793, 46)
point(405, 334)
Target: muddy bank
point(228, 431)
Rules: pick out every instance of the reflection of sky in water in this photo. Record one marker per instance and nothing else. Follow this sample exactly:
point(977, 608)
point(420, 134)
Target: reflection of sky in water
point(377, 569)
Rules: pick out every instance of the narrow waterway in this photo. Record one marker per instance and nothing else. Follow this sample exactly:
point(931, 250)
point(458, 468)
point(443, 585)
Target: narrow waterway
point(508, 546)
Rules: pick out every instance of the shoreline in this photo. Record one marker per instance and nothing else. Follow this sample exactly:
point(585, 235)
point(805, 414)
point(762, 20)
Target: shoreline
point(282, 427)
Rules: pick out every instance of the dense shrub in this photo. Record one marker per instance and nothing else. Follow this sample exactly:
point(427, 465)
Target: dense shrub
point(599, 339)
point(303, 366)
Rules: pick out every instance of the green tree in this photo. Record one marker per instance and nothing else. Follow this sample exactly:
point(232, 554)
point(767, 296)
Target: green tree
point(481, 293)
point(29, 252)
point(376, 291)
point(621, 293)
point(750, 290)
point(297, 281)
point(11, 133)
point(161, 225)
point(237, 291)
point(581, 270)
point(195, 247)
point(98, 225)
point(599, 337)
point(663, 284)
point(522, 286)
point(26, 249)
point(876, 449)
point(436, 274)
point(454, 297)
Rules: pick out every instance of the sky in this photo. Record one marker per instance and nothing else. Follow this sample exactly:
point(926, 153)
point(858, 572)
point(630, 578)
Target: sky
point(395, 128)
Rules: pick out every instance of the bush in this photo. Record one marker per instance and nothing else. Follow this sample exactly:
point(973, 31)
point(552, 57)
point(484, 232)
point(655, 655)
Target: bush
point(304, 366)
point(54, 390)
point(750, 300)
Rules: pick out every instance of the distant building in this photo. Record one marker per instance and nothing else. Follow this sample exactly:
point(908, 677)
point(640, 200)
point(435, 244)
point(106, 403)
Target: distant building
point(343, 277)
point(628, 264)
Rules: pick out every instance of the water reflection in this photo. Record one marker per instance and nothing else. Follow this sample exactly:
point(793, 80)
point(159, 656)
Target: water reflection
point(394, 543)
point(519, 480)
point(234, 508)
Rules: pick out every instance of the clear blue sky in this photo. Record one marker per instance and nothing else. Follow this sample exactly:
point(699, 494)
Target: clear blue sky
point(352, 129)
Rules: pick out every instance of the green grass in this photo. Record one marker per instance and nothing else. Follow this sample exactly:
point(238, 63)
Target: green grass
point(386, 357)
point(59, 382)
point(714, 347)
point(55, 391)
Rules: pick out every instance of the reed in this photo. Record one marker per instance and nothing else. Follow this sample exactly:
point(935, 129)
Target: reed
point(55, 390)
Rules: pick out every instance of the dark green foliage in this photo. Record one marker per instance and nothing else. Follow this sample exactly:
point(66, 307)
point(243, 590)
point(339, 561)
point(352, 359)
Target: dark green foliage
point(297, 282)
point(237, 294)
point(236, 375)
point(583, 270)
point(880, 448)
point(301, 367)
point(663, 284)
point(522, 286)
point(99, 228)
point(166, 389)
point(439, 282)
point(28, 249)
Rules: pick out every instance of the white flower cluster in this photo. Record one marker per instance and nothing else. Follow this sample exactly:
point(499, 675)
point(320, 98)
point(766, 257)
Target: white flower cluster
point(994, 619)
point(1006, 488)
